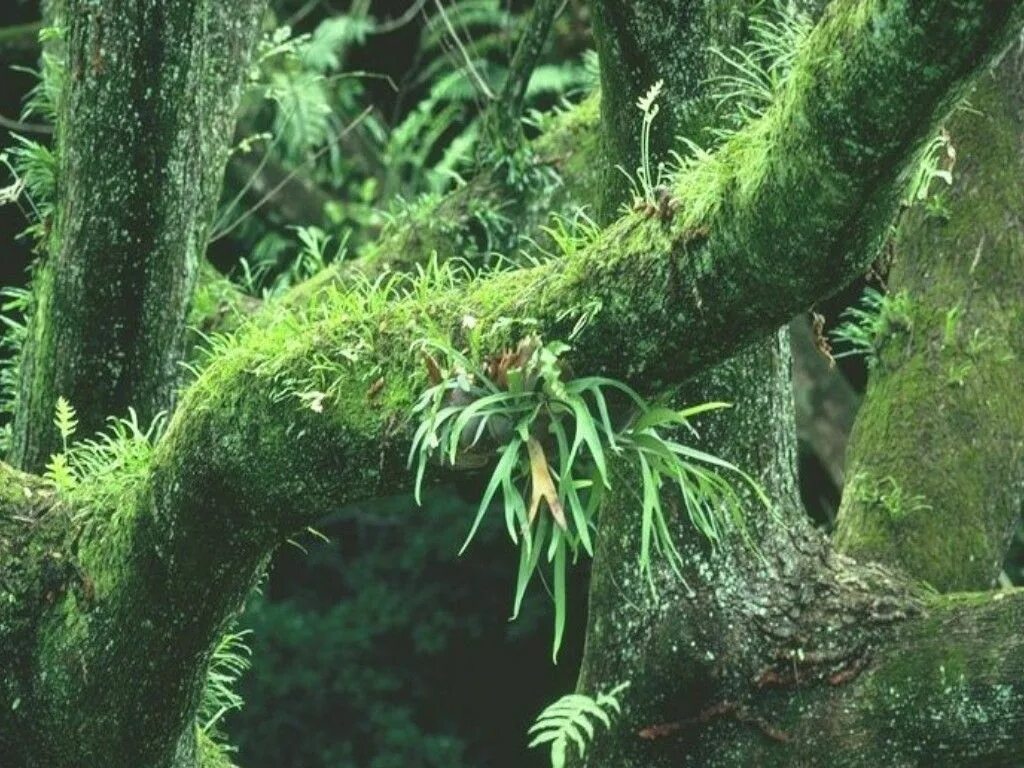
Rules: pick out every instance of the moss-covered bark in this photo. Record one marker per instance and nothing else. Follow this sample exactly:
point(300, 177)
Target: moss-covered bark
point(936, 464)
point(114, 659)
point(145, 125)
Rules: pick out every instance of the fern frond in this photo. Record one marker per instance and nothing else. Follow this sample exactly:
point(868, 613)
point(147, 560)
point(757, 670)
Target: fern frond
point(66, 420)
point(572, 720)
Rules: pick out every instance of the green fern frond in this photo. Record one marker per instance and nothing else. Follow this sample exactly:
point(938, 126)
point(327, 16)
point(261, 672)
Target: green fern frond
point(66, 420)
point(572, 720)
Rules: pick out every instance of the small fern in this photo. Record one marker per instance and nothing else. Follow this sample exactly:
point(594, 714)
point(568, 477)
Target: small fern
point(753, 75)
point(66, 420)
point(58, 469)
point(571, 720)
point(231, 658)
point(866, 325)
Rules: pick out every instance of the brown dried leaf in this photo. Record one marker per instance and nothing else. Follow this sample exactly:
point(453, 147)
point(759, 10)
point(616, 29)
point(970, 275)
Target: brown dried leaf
point(543, 485)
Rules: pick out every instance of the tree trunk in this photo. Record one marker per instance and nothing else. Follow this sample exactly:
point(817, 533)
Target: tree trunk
point(936, 461)
point(145, 124)
point(777, 661)
point(116, 590)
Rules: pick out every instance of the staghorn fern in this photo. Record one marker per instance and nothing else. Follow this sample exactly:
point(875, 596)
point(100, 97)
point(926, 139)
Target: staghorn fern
point(571, 720)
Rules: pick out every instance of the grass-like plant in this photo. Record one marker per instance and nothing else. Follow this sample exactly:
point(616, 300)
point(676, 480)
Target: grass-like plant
point(554, 438)
point(866, 325)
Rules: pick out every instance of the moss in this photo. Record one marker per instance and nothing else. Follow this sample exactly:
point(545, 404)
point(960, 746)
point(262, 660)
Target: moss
point(942, 416)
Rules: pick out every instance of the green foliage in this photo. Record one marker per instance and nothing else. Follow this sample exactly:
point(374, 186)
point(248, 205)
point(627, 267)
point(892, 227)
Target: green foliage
point(887, 493)
point(571, 719)
point(99, 474)
point(376, 650)
point(34, 170)
point(555, 439)
point(865, 327)
point(304, 100)
point(935, 161)
point(231, 658)
point(753, 75)
point(14, 309)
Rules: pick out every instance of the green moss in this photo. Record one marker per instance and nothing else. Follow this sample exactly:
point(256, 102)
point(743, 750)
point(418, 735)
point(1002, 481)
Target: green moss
point(942, 417)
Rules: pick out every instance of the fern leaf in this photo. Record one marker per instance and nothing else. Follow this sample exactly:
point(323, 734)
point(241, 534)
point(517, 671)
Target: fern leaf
point(572, 719)
point(66, 420)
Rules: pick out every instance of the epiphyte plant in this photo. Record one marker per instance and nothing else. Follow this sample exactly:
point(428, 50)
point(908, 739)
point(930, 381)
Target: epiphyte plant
point(559, 450)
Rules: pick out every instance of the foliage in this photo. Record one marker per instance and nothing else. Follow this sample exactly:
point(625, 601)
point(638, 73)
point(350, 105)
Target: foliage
point(15, 308)
point(867, 325)
point(555, 439)
point(231, 658)
point(571, 720)
point(754, 74)
point(304, 97)
point(887, 493)
point(32, 167)
point(376, 649)
point(935, 161)
point(99, 473)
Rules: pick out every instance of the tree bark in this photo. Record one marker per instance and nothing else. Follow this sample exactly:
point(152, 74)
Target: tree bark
point(936, 463)
point(117, 645)
point(144, 130)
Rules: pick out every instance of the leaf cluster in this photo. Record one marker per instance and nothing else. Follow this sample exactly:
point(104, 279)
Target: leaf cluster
point(559, 450)
point(572, 719)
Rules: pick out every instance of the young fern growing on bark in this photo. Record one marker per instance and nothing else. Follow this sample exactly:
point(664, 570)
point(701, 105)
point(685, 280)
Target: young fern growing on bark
point(866, 326)
point(555, 440)
point(570, 720)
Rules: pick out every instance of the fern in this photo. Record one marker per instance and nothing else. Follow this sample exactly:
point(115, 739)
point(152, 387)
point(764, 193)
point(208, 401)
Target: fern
point(753, 74)
point(571, 720)
point(866, 325)
point(231, 658)
point(66, 420)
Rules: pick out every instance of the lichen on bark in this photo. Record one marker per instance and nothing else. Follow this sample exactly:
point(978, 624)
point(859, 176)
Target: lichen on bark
point(145, 124)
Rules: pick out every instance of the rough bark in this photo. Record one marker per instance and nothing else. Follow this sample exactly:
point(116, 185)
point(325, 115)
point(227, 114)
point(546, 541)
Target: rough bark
point(145, 126)
point(245, 461)
point(936, 462)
